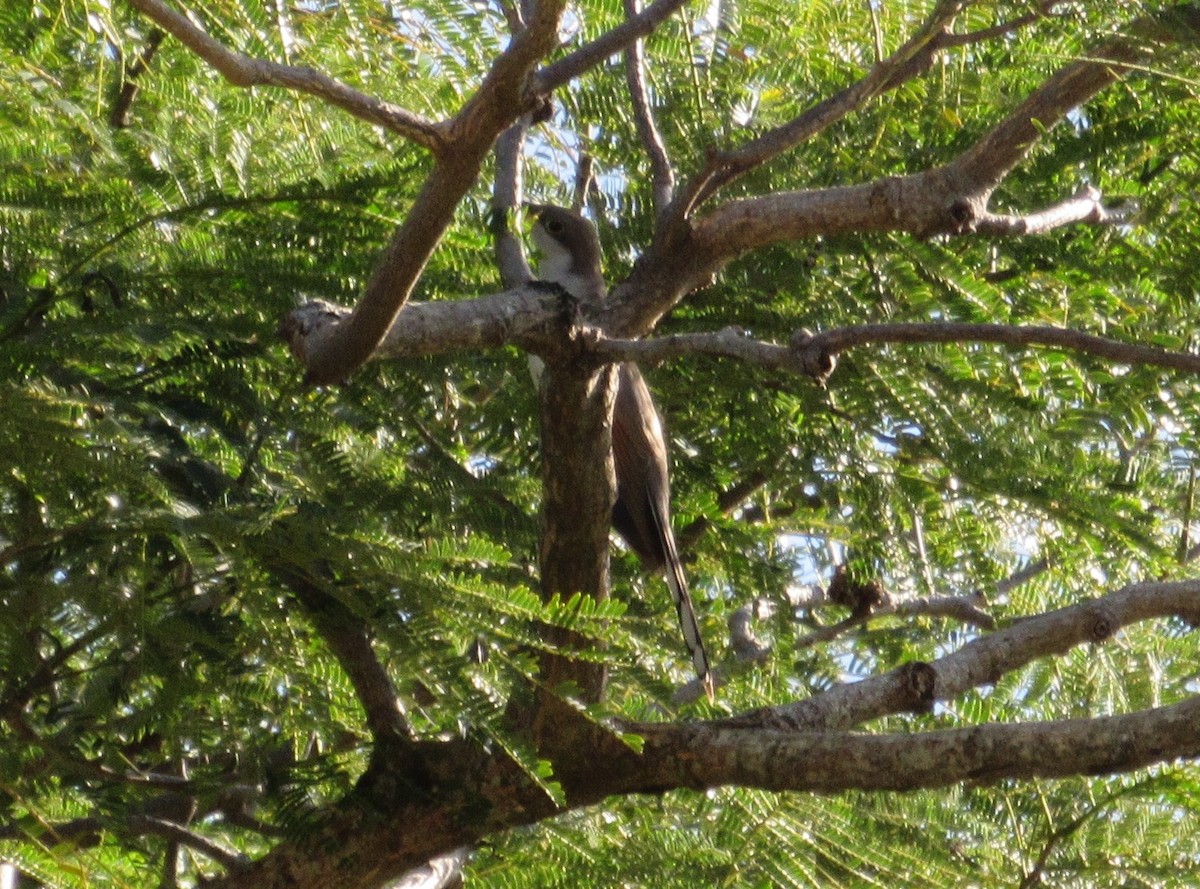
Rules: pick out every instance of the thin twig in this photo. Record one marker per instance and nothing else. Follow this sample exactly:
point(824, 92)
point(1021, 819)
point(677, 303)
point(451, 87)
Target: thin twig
point(231, 861)
point(607, 44)
point(118, 118)
point(1084, 207)
point(662, 177)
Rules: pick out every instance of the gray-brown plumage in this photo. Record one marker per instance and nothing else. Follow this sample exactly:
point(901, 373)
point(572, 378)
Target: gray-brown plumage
point(570, 251)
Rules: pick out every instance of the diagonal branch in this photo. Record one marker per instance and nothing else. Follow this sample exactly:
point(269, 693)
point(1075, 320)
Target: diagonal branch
point(146, 824)
point(84, 832)
point(948, 200)
point(500, 99)
point(118, 118)
point(241, 70)
point(991, 158)
point(910, 60)
point(1002, 29)
point(607, 44)
point(984, 660)
point(459, 147)
point(349, 638)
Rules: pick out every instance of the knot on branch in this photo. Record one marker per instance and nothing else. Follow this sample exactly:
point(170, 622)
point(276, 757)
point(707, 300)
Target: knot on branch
point(302, 322)
point(743, 640)
point(815, 359)
point(1102, 626)
point(917, 680)
point(860, 598)
point(567, 335)
point(962, 217)
point(542, 110)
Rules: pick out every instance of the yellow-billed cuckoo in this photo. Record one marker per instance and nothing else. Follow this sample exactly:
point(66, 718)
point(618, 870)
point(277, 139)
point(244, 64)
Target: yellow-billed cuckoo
point(570, 251)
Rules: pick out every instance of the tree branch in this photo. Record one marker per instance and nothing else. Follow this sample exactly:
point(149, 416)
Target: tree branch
point(911, 59)
point(964, 609)
point(504, 94)
point(241, 70)
point(85, 832)
point(118, 118)
point(518, 316)
point(443, 872)
point(813, 354)
point(703, 756)
point(1003, 29)
point(386, 829)
point(1084, 207)
point(508, 194)
point(949, 200)
point(1006, 144)
point(349, 638)
point(983, 661)
point(143, 824)
point(607, 44)
point(662, 177)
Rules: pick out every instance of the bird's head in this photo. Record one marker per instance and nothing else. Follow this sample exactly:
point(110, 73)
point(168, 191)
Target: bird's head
point(568, 243)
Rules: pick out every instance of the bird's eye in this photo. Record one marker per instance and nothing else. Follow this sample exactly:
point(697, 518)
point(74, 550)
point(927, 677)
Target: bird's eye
point(554, 226)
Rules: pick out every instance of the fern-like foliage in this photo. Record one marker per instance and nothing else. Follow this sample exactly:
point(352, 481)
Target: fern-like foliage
point(159, 463)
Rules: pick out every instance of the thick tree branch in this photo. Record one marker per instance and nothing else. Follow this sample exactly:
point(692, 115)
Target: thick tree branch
point(947, 200)
point(578, 492)
point(703, 756)
point(934, 202)
point(519, 316)
point(387, 828)
point(951, 199)
point(241, 70)
point(504, 94)
point(985, 660)
point(530, 316)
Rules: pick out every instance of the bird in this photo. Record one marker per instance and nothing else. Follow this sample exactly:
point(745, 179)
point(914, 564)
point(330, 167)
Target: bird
point(570, 257)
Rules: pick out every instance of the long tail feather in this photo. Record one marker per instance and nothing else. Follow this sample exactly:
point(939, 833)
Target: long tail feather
point(684, 608)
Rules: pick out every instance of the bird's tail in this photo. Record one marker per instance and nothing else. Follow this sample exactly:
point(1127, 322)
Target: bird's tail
point(688, 623)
